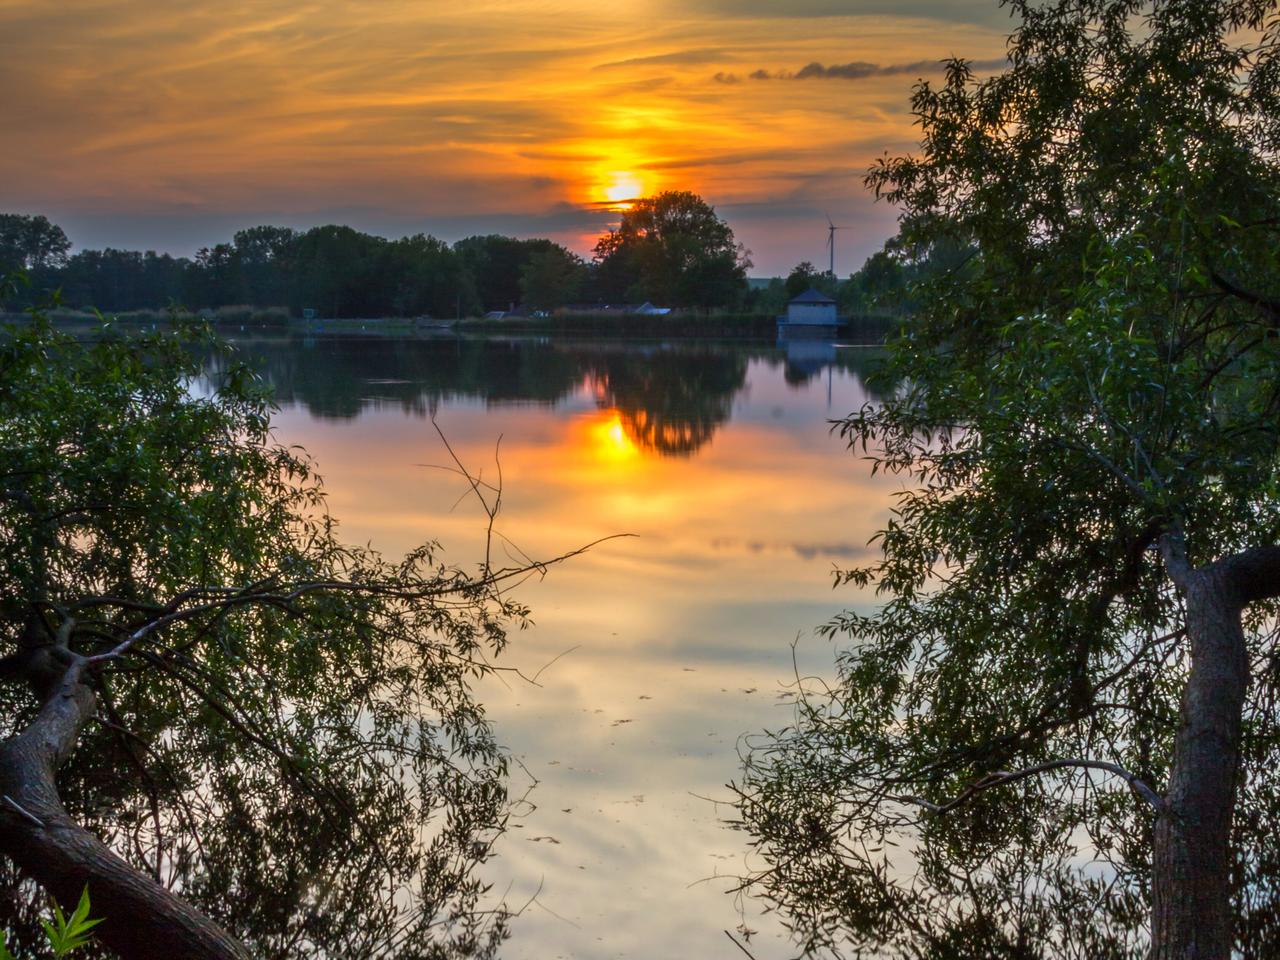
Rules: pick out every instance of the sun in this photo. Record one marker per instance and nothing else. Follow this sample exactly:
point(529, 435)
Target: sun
point(623, 186)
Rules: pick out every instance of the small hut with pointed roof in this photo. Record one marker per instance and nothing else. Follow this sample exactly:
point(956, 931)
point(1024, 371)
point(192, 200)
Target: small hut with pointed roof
point(812, 309)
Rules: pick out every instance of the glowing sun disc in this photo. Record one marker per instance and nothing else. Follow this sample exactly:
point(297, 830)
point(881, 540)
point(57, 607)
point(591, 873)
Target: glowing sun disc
point(623, 186)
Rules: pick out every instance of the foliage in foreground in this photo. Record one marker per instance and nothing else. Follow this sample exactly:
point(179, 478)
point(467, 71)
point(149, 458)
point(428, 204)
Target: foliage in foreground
point(1104, 372)
point(65, 934)
point(285, 734)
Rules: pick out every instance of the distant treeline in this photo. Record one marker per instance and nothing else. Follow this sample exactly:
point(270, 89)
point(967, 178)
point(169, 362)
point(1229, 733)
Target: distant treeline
point(672, 250)
point(335, 270)
point(881, 290)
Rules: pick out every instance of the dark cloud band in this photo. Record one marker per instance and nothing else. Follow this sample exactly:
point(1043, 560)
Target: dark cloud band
point(856, 70)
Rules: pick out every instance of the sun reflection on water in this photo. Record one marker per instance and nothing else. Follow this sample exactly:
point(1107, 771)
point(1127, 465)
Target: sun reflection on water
point(611, 439)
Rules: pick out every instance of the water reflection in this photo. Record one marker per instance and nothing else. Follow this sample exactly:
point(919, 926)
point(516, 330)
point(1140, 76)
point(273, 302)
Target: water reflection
point(652, 654)
point(666, 398)
point(669, 401)
point(806, 358)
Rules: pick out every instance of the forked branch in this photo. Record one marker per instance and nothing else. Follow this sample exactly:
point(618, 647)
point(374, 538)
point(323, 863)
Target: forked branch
point(1002, 777)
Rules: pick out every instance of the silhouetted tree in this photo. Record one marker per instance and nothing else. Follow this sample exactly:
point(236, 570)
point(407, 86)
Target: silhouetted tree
point(31, 243)
point(1058, 736)
point(673, 250)
point(552, 278)
point(245, 737)
point(118, 280)
point(267, 260)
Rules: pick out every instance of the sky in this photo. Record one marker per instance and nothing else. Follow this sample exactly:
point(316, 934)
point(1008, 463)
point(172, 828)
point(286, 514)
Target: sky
point(170, 124)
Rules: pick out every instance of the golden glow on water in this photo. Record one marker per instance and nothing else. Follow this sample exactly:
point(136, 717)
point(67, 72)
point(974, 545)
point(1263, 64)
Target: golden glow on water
point(675, 642)
point(600, 445)
point(618, 445)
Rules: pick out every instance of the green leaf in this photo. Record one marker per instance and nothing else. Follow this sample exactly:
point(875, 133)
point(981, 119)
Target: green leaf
point(65, 934)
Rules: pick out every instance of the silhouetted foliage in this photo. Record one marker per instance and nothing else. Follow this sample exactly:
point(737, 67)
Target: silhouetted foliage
point(335, 270)
point(122, 280)
point(274, 726)
point(502, 267)
point(805, 275)
point(672, 250)
point(552, 278)
point(31, 243)
point(1080, 578)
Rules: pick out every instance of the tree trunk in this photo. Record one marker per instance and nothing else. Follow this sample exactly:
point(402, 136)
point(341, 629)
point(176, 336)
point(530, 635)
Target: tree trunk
point(1191, 882)
point(143, 920)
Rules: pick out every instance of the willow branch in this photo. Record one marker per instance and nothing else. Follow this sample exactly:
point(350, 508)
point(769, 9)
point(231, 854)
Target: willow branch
point(1269, 306)
point(1002, 777)
point(245, 597)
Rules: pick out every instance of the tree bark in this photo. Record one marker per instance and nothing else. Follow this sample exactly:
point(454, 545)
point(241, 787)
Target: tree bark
point(1191, 881)
point(142, 919)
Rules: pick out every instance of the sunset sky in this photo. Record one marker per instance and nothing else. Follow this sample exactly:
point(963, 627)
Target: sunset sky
point(169, 125)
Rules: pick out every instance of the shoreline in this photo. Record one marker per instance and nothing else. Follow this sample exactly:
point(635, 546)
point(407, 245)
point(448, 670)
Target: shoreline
point(720, 326)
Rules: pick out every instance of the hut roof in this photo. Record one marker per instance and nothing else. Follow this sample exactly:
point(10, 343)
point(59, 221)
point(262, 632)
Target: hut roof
point(813, 295)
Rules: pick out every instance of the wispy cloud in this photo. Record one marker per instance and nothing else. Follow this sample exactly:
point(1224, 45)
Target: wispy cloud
point(706, 55)
point(849, 71)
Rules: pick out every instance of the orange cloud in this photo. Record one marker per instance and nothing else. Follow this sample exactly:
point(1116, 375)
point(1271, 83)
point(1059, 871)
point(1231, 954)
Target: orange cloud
point(427, 111)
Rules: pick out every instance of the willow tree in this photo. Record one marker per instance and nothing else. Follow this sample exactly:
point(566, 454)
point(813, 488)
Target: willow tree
point(1057, 733)
point(245, 738)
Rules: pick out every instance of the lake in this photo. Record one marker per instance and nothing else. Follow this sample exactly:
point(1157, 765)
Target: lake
point(654, 654)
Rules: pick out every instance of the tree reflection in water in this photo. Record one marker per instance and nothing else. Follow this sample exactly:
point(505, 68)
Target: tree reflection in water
point(670, 402)
point(671, 398)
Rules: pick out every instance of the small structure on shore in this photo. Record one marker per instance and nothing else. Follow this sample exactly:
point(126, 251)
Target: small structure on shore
point(511, 313)
point(812, 313)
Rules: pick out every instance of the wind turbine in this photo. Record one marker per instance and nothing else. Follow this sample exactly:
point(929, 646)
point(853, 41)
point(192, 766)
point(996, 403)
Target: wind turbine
point(831, 242)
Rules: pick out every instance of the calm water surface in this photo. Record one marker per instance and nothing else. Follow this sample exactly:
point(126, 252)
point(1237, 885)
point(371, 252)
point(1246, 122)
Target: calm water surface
point(672, 645)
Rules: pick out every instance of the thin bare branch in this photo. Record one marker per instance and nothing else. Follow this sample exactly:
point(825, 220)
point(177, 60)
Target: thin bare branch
point(738, 944)
point(21, 810)
point(1002, 777)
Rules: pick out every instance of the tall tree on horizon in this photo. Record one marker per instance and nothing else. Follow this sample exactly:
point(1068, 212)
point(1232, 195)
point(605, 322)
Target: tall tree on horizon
point(31, 243)
point(673, 250)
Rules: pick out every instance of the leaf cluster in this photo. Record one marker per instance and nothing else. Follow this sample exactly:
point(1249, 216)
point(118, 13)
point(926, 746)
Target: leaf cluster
point(287, 734)
point(65, 934)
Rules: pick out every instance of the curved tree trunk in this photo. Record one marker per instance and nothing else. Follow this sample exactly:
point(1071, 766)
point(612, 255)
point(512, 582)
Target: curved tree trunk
point(143, 920)
point(1191, 881)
